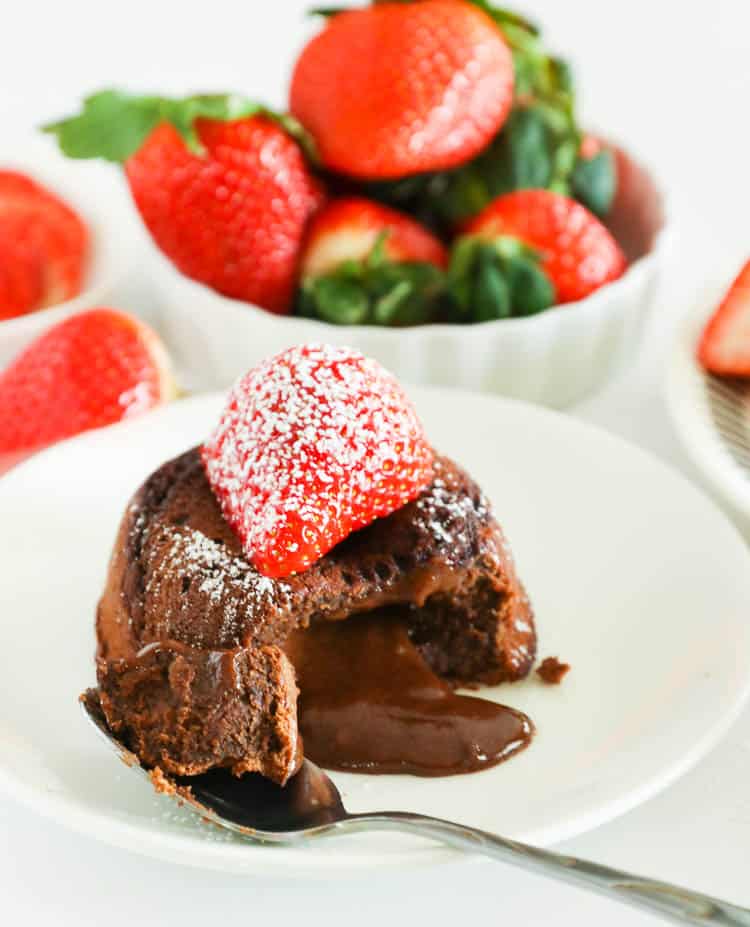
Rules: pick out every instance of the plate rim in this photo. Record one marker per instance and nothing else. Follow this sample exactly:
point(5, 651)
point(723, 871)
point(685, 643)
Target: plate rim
point(689, 409)
point(194, 851)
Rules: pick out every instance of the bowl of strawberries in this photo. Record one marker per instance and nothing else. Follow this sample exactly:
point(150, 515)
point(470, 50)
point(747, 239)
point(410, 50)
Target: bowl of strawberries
point(429, 199)
point(57, 255)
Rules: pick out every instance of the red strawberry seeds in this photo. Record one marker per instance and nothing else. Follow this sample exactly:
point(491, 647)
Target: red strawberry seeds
point(313, 444)
point(91, 370)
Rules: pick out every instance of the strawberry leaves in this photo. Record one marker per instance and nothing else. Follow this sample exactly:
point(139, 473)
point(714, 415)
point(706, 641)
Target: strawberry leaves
point(538, 74)
point(375, 291)
point(594, 182)
point(496, 279)
point(327, 11)
point(113, 125)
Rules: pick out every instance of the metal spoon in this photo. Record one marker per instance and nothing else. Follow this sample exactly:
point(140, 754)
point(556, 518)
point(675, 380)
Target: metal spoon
point(310, 806)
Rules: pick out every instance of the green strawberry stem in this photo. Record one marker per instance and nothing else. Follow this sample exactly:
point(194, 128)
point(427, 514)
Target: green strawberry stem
point(594, 182)
point(375, 291)
point(113, 125)
point(327, 10)
point(496, 279)
point(335, 299)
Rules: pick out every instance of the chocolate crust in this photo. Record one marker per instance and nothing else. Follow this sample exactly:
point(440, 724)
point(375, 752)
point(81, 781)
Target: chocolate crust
point(181, 600)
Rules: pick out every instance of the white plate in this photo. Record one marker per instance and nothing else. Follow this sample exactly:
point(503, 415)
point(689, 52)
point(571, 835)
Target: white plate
point(713, 421)
point(636, 579)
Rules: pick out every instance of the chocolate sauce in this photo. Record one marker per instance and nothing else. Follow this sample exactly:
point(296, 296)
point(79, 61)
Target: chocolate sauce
point(370, 703)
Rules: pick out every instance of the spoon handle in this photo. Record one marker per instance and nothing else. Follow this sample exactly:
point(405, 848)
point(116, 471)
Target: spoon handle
point(677, 904)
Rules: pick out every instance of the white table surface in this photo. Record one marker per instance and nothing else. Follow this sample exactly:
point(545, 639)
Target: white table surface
point(672, 78)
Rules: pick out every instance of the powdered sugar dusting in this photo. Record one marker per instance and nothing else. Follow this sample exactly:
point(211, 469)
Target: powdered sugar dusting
point(313, 444)
point(231, 586)
point(446, 516)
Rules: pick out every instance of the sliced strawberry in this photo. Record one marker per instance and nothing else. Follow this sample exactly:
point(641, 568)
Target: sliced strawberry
point(724, 348)
point(364, 263)
point(46, 241)
point(91, 370)
point(313, 444)
point(395, 89)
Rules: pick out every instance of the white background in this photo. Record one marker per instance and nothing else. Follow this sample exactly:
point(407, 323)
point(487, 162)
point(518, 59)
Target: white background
point(671, 79)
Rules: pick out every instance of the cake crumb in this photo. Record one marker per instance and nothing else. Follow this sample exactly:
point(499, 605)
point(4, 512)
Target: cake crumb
point(160, 782)
point(552, 671)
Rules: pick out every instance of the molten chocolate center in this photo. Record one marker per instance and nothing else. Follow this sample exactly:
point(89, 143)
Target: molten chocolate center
point(370, 703)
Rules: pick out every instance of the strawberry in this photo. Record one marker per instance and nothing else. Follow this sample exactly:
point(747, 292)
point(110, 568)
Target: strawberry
point(313, 444)
point(576, 250)
point(527, 251)
point(724, 348)
point(400, 88)
point(90, 370)
point(363, 262)
point(43, 247)
point(16, 184)
point(348, 230)
point(221, 183)
point(538, 145)
point(21, 276)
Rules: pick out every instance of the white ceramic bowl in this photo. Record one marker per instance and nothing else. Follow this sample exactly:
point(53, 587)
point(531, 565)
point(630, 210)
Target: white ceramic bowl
point(100, 198)
point(553, 358)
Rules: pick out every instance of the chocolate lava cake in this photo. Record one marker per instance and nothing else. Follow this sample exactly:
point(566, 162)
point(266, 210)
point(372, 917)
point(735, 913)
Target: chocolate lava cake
point(190, 662)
